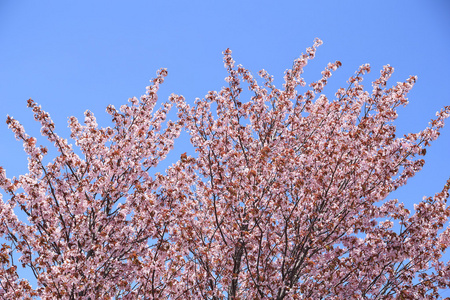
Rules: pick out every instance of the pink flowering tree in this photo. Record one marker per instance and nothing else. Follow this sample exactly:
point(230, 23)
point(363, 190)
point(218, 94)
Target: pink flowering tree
point(286, 197)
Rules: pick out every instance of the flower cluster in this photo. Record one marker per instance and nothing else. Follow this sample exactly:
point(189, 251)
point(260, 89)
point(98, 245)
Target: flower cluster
point(285, 198)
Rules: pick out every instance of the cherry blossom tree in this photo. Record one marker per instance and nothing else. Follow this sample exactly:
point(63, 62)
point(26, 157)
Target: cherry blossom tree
point(285, 197)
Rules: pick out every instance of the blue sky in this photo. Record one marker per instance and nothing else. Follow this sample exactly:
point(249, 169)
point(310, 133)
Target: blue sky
point(71, 56)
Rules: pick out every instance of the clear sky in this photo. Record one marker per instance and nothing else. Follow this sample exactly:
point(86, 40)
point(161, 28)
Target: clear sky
point(71, 56)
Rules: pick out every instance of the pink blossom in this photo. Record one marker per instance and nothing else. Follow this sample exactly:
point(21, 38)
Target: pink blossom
point(286, 197)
